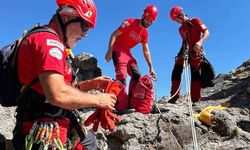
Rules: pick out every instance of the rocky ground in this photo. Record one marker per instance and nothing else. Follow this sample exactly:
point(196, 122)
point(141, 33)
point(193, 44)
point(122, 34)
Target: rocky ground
point(168, 126)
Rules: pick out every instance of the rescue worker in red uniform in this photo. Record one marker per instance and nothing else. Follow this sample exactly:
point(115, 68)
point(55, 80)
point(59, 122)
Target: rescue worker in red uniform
point(193, 33)
point(53, 98)
point(131, 32)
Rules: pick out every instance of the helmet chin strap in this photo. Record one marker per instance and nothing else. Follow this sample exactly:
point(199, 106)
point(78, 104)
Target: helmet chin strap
point(63, 27)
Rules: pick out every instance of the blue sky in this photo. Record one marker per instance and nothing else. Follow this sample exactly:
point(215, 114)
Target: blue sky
point(227, 46)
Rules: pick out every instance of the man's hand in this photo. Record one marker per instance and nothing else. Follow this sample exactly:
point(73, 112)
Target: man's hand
point(198, 46)
point(106, 101)
point(108, 56)
point(152, 74)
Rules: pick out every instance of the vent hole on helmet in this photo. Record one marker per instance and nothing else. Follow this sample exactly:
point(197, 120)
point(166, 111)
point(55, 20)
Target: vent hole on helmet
point(86, 2)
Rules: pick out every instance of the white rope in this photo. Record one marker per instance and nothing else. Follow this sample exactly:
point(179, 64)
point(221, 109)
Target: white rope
point(187, 79)
point(184, 68)
point(188, 98)
point(156, 97)
point(179, 89)
point(176, 91)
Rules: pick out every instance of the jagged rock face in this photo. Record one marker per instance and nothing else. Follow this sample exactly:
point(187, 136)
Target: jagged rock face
point(171, 129)
point(86, 66)
point(168, 126)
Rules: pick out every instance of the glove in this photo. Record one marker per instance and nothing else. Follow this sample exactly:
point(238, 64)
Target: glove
point(112, 121)
point(96, 125)
point(109, 120)
point(114, 87)
point(94, 119)
point(105, 117)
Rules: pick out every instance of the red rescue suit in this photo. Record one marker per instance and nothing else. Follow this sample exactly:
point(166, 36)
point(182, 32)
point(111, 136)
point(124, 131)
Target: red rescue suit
point(124, 62)
point(190, 31)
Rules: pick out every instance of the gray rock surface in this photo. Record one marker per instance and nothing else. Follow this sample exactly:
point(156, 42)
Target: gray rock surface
point(87, 65)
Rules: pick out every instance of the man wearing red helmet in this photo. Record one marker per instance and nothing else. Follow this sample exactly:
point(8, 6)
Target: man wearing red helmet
point(193, 33)
point(48, 104)
point(131, 32)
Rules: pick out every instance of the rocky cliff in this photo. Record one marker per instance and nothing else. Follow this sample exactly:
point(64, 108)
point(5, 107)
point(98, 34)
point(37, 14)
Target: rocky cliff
point(168, 126)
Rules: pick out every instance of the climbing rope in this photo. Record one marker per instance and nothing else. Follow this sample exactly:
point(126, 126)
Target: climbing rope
point(188, 99)
point(187, 80)
point(176, 91)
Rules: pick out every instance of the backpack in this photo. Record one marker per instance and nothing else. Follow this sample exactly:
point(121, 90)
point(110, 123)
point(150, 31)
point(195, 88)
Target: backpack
point(10, 87)
point(207, 74)
point(142, 95)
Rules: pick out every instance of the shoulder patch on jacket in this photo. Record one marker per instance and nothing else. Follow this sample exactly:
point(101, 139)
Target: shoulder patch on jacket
point(56, 43)
point(55, 52)
point(125, 24)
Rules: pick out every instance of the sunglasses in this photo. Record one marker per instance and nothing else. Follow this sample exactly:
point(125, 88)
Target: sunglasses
point(84, 25)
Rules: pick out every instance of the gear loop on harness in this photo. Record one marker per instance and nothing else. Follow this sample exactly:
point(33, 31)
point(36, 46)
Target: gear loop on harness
point(41, 133)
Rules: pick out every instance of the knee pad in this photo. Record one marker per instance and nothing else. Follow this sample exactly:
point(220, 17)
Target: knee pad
point(135, 73)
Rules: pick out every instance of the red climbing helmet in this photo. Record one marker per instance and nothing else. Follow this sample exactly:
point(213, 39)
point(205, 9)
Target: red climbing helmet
point(175, 12)
point(85, 8)
point(150, 12)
